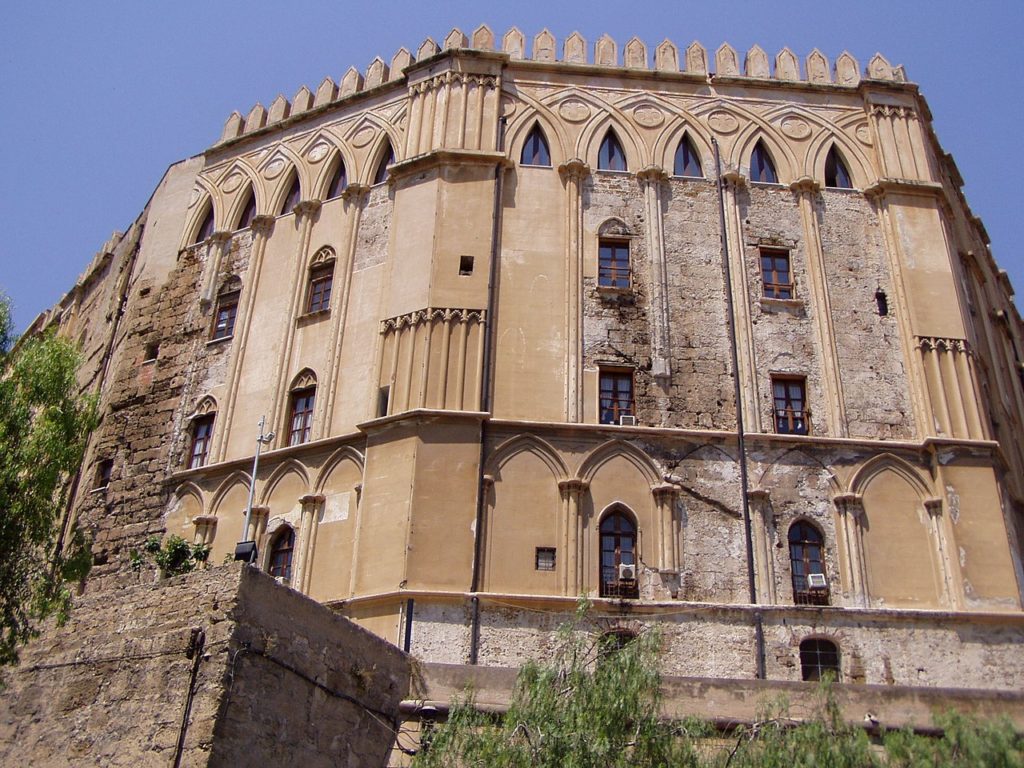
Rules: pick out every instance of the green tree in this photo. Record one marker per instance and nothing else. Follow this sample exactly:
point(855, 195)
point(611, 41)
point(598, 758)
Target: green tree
point(44, 425)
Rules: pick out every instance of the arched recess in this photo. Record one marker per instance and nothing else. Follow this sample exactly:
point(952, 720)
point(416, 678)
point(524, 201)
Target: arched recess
point(228, 506)
point(186, 505)
point(288, 193)
point(900, 540)
point(333, 531)
point(339, 157)
point(798, 456)
point(197, 217)
point(288, 483)
point(234, 209)
point(666, 144)
point(525, 514)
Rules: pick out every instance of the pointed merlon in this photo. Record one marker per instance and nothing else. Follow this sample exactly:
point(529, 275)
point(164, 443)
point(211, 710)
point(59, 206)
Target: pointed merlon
point(514, 44)
point(483, 38)
point(879, 68)
point(326, 92)
point(817, 68)
point(427, 49)
point(636, 54)
point(666, 57)
point(302, 101)
point(574, 49)
point(351, 83)
point(727, 63)
point(544, 46)
point(399, 62)
point(847, 70)
point(233, 127)
point(756, 63)
point(787, 66)
point(455, 39)
point(279, 109)
point(256, 119)
point(696, 59)
point(606, 52)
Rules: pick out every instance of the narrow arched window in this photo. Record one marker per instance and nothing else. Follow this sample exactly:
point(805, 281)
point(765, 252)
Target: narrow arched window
point(206, 228)
point(248, 212)
point(762, 168)
point(535, 150)
point(280, 562)
point(807, 566)
point(687, 161)
point(611, 157)
point(819, 659)
point(387, 158)
point(292, 198)
point(618, 557)
point(836, 174)
point(338, 182)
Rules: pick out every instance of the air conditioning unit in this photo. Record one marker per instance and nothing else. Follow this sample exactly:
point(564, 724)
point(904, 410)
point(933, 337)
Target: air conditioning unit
point(816, 581)
point(627, 572)
point(627, 421)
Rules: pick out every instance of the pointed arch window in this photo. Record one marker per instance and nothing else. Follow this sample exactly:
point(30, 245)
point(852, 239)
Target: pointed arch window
point(338, 181)
point(687, 161)
point(611, 157)
point(321, 281)
point(762, 167)
point(206, 228)
point(836, 174)
point(280, 563)
point(292, 198)
point(387, 158)
point(535, 150)
point(300, 410)
point(618, 556)
point(248, 212)
point(807, 566)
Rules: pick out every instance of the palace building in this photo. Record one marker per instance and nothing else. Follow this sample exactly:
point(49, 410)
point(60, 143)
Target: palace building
point(712, 340)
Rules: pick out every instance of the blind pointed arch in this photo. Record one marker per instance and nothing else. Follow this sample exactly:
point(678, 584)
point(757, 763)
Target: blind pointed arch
point(687, 161)
point(292, 198)
point(836, 173)
point(387, 158)
point(611, 157)
point(248, 210)
point(762, 167)
point(536, 150)
point(339, 180)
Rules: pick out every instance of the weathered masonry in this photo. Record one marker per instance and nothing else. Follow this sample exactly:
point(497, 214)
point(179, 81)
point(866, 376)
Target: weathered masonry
point(489, 304)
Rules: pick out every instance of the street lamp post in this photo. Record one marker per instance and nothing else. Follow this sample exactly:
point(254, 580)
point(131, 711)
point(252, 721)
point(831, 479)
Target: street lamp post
point(246, 548)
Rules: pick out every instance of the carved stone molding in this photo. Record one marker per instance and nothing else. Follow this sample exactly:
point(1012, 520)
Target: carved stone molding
point(262, 224)
point(652, 174)
point(574, 169)
point(446, 314)
point(308, 208)
point(573, 487)
point(734, 179)
point(806, 184)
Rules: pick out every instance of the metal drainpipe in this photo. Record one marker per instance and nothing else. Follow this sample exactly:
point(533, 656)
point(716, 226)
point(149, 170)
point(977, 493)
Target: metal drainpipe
point(485, 391)
point(747, 531)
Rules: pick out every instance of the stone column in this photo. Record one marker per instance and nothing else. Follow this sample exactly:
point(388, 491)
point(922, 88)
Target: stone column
point(306, 213)
point(216, 246)
point(574, 173)
point(953, 594)
point(734, 184)
point(354, 197)
point(669, 541)
point(574, 540)
point(261, 228)
point(483, 533)
point(807, 190)
point(765, 536)
point(206, 529)
point(652, 180)
point(306, 540)
point(850, 507)
point(257, 524)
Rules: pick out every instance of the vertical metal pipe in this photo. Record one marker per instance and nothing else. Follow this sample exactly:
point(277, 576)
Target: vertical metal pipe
point(742, 448)
point(410, 605)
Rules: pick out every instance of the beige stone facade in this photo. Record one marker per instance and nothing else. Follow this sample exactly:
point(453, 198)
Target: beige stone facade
point(509, 325)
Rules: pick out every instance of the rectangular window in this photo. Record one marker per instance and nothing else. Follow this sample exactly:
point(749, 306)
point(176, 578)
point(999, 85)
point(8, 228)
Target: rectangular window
point(202, 431)
point(616, 395)
point(321, 279)
point(775, 274)
point(790, 405)
point(613, 264)
point(224, 316)
point(301, 416)
point(545, 559)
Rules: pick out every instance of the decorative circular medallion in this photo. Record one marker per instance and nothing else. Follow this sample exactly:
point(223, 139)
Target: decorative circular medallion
point(196, 194)
point(648, 116)
point(723, 122)
point(508, 107)
point(796, 128)
point(574, 110)
point(363, 136)
point(232, 182)
point(274, 168)
point(863, 134)
point(318, 152)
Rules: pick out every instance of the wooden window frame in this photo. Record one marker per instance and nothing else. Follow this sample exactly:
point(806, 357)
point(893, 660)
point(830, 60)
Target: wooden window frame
point(807, 556)
point(199, 447)
point(617, 404)
point(282, 550)
point(772, 286)
point(227, 305)
point(300, 415)
point(612, 542)
point(788, 419)
point(318, 294)
point(611, 274)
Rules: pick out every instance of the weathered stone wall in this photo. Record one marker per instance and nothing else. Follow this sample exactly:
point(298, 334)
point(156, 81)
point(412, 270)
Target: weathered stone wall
point(277, 678)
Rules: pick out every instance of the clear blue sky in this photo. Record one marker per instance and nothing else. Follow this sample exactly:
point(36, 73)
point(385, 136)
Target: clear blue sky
point(98, 98)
